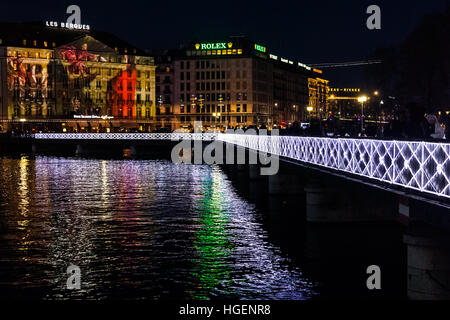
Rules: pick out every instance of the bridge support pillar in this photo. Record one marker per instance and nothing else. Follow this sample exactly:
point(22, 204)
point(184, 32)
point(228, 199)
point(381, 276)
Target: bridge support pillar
point(286, 190)
point(254, 172)
point(329, 200)
point(428, 260)
point(92, 149)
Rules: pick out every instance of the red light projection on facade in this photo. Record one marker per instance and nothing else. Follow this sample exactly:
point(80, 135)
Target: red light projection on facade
point(124, 89)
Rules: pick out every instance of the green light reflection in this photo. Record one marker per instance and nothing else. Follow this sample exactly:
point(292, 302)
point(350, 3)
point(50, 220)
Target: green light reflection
point(213, 245)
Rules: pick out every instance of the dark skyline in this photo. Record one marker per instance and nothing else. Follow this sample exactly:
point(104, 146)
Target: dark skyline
point(310, 32)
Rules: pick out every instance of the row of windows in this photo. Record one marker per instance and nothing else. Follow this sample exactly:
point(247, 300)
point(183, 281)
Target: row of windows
point(214, 52)
point(27, 110)
point(100, 96)
point(222, 119)
point(98, 85)
point(211, 108)
point(206, 64)
point(212, 86)
point(50, 55)
point(207, 75)
point(110, 72)
point(212, 97)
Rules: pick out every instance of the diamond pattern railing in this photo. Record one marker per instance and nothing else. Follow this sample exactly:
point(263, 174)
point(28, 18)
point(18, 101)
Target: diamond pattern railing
point(422, 166)
point(127, 136)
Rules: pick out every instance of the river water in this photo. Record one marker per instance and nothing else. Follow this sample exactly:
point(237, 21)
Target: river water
point(150, 229)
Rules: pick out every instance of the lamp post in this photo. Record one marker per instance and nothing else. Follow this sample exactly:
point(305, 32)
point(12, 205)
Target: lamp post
point(362, 99)
point(309, 109)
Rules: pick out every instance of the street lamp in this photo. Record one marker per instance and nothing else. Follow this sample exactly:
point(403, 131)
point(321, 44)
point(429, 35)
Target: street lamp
point(362, 99)
point(309, 109)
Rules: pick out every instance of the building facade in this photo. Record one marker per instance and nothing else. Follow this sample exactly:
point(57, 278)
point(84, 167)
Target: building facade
point(164, 82)
point(318, 97)
point(344, 102)
point(56, 74)
point(237, 83)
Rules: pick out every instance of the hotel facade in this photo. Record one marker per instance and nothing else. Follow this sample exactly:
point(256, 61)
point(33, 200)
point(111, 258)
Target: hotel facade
point(237, 83)
point(72, 80)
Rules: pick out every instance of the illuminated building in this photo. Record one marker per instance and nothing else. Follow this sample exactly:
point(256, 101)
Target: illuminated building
point(237, 83)
point(343, 102)
point(57, 75)
point(318, 97)
point(164, 87)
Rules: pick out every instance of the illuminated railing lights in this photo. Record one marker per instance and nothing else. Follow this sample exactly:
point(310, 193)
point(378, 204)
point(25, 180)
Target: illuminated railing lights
point(422, 166)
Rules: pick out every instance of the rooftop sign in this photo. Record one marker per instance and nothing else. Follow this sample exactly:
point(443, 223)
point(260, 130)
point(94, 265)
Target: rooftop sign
point(73, 21)
point(213, 45)
point(67, 25)
point(260, 48)
point(304, 66)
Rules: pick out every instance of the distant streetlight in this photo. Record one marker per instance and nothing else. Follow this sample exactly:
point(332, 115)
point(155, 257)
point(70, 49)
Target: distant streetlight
point(362, 99)
point(375, 93)
point(309, 109)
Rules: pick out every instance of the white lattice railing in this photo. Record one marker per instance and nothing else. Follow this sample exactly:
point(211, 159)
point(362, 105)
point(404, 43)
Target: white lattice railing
point(423, 166)
point(126, 136)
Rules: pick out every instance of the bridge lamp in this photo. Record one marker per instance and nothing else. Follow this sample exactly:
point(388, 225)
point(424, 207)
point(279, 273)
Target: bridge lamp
point(362, 99)
point(309, 109)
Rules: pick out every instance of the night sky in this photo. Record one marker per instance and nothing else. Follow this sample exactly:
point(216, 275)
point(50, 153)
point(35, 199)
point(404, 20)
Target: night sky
point(307, 31)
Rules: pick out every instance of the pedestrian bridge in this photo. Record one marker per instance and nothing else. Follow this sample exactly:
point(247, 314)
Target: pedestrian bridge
point(416, 165)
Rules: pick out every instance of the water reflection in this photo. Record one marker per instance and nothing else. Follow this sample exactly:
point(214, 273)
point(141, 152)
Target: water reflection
point(137, 229)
